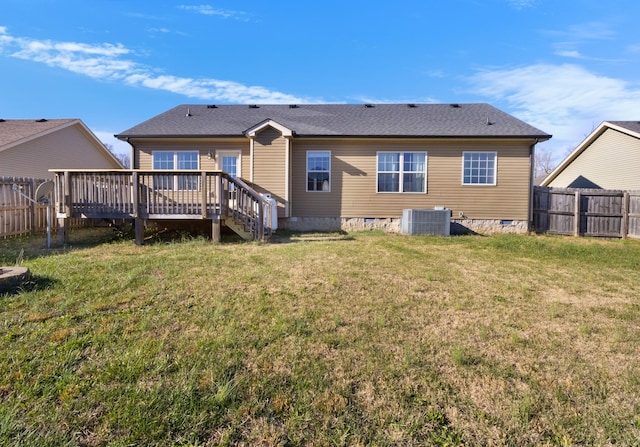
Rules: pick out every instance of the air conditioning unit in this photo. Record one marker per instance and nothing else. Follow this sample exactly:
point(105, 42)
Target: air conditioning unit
point(430, 221)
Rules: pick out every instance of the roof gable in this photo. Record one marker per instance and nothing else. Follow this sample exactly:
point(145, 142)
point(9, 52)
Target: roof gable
point(631, 128)
point(17, 132)
point(251, 132)
point(338, 120)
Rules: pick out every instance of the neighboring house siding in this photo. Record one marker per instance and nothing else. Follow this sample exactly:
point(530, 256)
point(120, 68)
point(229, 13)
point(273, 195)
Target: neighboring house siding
point(353, 180)
point(612, 161)
point(270, 164)
point(67, 148)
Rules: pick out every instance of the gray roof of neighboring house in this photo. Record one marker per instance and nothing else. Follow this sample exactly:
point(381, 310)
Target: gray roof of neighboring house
point(633, 126)
point(13, 131)
point(339, 120)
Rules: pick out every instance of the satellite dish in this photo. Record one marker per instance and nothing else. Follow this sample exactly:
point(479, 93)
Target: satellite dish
point(43, 190)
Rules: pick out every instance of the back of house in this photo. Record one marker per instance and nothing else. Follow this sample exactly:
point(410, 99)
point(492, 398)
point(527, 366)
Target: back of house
point(356, 166)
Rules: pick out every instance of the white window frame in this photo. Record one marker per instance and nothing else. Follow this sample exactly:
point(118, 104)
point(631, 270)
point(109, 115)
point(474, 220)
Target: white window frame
point(479, 168)
point(401, 172)
point(309, 171)
point(175, 182)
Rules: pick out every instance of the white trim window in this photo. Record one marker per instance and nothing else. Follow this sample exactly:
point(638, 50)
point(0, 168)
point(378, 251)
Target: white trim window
point(404, 172)
point(479, 168)
point(318, 171)
point(176, 160)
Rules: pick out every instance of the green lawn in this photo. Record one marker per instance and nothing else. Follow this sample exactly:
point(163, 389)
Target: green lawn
point(322, 340)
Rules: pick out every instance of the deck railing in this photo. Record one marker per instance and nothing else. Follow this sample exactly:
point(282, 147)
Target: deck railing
point(156, 194)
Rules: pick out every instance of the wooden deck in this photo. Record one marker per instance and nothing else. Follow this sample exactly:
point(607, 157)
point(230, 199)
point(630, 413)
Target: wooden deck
point(154, 194)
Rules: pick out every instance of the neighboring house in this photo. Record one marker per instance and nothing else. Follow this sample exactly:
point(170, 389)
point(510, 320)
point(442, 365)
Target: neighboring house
point(609, 158)
point(29, 148)
point(332, 166)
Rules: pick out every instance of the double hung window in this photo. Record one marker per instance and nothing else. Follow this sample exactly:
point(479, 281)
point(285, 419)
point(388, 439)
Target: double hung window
point(318, 171)
point(175, 160)
point(479, 168)
point(402, 172)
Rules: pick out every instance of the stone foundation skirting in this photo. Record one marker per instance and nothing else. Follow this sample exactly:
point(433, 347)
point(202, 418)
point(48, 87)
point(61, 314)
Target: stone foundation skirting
point(392, 225)
point(488, 226)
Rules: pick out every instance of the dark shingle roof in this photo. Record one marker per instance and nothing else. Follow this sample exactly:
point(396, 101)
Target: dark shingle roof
point(633, 126)
point(326, 120)
point(13, 131)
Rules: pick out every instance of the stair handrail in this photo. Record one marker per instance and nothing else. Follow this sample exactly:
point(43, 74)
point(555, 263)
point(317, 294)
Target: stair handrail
point(260, 231)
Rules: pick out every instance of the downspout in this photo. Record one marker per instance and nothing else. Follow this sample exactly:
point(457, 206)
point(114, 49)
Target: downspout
point(287, 170)
point(532, 151)
point(134, 162)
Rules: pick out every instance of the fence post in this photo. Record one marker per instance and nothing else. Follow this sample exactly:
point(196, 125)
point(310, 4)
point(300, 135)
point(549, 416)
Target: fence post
point(576, 215)
point(32, 205)
point(624, 227)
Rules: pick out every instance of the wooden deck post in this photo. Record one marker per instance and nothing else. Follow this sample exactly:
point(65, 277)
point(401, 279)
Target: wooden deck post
point(63, 230)
point(138, 224)
point(63, 223)
point(215, 230)
point(205, 192)
point(135, 194)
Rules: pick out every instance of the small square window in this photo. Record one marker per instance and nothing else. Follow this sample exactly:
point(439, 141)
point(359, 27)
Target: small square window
point(479, 168)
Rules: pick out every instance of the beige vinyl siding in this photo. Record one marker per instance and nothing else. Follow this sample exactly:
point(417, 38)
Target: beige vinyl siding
point(67, 148)
point(269, 166)
point(144, 152)
point(612, 161)
point(353, 180)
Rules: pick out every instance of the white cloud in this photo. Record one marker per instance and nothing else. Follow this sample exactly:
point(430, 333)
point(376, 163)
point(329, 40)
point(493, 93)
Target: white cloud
point(521, 4)
point(209, 10)
point(567, 100)
point(107, 62)
point(585, 31)
point(570, 53)
point(633, 48)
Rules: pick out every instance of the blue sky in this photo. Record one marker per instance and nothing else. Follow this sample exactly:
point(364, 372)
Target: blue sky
point(563, 66)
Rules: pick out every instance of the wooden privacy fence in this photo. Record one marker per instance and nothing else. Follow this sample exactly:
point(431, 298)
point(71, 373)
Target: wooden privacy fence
point(18, 215)
point(586, 212)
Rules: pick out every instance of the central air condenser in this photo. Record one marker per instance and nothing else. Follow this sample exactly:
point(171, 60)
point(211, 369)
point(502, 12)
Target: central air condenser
point(429, 221)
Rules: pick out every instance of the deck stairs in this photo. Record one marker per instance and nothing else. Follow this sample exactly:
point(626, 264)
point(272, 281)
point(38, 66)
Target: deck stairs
point(159, 194)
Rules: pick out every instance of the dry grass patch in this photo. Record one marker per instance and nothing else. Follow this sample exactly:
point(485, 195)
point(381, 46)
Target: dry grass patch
point(340, 339)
